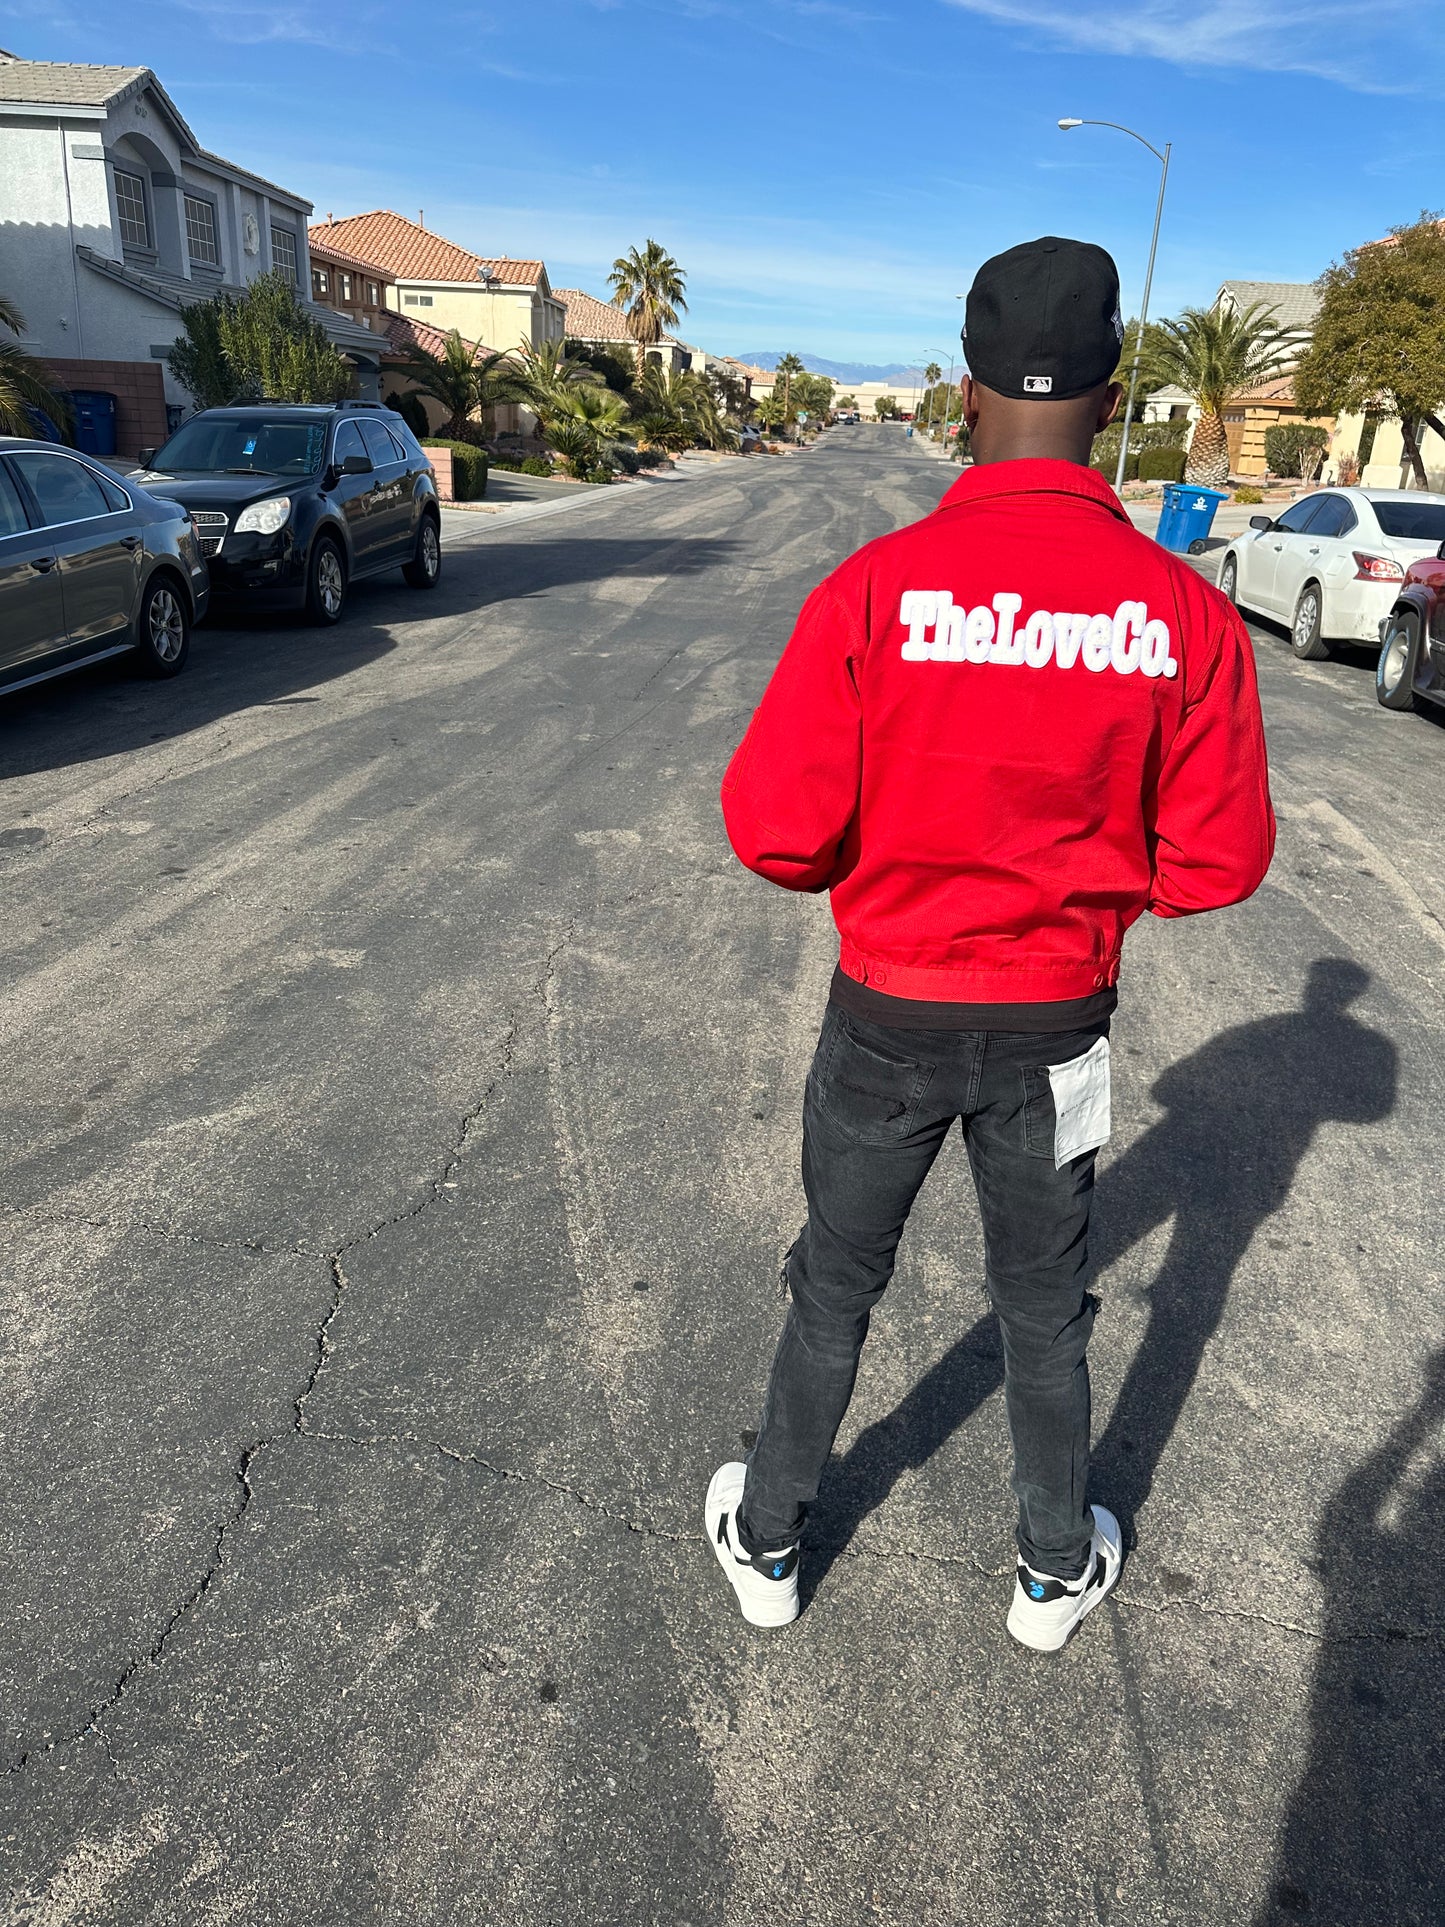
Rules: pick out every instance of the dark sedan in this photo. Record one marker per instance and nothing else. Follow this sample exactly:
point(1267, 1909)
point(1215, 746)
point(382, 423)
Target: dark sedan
point(90, 566)
point(1411, 669)
point(294, 502)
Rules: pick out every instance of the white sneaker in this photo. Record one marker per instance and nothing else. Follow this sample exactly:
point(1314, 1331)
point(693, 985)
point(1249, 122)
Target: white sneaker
point(1045, 1611)
point(766, 1586)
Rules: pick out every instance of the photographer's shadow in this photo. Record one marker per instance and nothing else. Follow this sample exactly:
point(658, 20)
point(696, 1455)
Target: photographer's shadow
point(1240, 1114)
point(1362, 1842)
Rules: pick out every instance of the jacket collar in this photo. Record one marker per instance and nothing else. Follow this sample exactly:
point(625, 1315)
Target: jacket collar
point(990, 480)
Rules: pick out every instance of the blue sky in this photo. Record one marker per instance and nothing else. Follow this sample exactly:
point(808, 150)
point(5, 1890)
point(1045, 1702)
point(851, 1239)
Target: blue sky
point(827, 172)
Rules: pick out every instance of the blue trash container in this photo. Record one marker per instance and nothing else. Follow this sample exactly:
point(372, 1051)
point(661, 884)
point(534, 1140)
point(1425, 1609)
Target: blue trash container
point(1186, 517)
point(94, 421)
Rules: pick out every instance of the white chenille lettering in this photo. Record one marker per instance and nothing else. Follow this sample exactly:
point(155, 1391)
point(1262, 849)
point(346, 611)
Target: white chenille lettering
point(1098, 641)
point(1126, 641)
point(1068, 636)
point(1007, 647)
point(1127, 645)
point(1155, 659)
point(978, 634)
point(1038, 638)
point(917, 611)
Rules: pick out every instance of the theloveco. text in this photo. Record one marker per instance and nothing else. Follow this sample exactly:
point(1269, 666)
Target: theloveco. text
point(1125, 641)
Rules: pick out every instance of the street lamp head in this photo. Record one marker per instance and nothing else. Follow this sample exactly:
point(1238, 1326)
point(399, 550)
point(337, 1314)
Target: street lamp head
point(1065, 125)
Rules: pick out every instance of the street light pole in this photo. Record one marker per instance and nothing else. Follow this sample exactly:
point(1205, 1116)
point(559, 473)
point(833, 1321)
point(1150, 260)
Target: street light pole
point(1163, 160)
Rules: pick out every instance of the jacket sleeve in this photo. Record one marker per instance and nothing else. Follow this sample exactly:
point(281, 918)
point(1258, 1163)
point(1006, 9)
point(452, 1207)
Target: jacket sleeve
point(791, 789)
point(1213, 825)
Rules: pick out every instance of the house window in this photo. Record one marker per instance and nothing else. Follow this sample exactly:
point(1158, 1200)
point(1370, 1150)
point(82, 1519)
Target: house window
point(417, 300)
point(318, 280)
point(283, 252)
point(130, 201)
point(371, 294)
point(346, 287)
point(201, 231)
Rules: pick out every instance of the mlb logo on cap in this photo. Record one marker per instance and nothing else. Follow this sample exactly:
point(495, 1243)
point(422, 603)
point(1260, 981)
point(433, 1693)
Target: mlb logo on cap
point(1042, 321)
point(1038, 384)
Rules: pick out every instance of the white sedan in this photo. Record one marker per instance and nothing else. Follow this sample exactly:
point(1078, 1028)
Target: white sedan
point(1332, 564)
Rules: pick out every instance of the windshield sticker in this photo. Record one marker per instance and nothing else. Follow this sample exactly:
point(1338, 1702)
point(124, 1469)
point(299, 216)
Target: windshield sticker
point(250, 445)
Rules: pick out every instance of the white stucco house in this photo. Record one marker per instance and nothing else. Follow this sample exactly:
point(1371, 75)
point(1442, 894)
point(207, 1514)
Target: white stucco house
point(112, 215)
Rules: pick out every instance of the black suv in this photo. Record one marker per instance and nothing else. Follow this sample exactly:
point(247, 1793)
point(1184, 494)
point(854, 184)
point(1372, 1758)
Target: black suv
point(292, 503)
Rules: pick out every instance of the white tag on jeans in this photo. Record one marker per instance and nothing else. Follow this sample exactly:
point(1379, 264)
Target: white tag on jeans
point(1081, 1103)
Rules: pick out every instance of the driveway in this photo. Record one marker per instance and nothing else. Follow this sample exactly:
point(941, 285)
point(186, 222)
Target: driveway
point(399, 1144)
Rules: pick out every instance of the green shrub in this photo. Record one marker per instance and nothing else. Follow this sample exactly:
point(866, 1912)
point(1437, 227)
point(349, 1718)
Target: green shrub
point(412, 411)
point(1293, 448)
point(505, 462)
point(1161, 465)
point(1246, 494)
point(469, 469)
point(536, 465)
point(602, 473)
point(653, 458)
point(1110, 469)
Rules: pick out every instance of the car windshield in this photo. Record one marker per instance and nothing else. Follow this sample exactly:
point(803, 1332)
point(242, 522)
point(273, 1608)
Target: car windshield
point(1412, 521)
point(244, 444)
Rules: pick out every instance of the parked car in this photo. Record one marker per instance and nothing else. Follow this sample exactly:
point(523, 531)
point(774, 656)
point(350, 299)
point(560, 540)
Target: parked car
point(1331, 566)
point(90, 566)
point(1411, 669)
point(294, 503)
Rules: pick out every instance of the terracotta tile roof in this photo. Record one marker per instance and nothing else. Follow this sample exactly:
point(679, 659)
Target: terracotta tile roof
point(589, 319)
point(404, 333)
point(409, 252)
point(330, 257)
point(1279, 388)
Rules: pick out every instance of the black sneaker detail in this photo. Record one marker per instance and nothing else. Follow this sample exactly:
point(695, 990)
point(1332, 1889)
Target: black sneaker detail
point(780, 1565)
point(1040, 1591)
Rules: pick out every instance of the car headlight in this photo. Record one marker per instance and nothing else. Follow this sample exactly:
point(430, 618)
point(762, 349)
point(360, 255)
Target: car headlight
point(264, 518)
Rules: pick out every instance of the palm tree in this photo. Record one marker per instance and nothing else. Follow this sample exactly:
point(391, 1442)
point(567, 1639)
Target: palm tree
point(772, 412)
point(465, 379)
point(585, 422)
point(1214, 354)
point(546, 375)
point(648, 286)
point(787, 367)
point(932, 375)
point(25, 383)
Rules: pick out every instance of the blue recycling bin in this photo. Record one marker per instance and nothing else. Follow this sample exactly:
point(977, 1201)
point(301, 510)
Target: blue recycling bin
point(1186, 517)
point(94, 421)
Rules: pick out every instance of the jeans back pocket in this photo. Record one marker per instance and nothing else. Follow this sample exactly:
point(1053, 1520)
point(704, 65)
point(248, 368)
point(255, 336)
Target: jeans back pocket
point(870, 1090)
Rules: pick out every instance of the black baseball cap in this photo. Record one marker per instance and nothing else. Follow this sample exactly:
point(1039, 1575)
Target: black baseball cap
point(1042, 321)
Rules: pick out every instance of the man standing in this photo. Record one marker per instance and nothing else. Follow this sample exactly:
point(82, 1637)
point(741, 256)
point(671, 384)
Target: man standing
point(996, 738)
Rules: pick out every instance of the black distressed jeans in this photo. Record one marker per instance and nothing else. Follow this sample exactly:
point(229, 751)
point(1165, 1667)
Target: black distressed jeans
point(879, 1104)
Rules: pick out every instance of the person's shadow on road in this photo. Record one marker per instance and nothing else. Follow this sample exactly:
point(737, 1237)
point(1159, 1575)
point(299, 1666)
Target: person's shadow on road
point(1240, 1114)
point(1362, 1843)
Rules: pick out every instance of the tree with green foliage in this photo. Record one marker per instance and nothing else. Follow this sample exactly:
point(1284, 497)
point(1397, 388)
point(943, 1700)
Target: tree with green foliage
point(771, 410)
point(847, 401)
point(259, 345)
point(1294, 448)
point(614, 363)
point(648, 286)
point(1380, 335)
point(785, 376)
point(886, 407)
point(1214, 354)
point(812, 395)
point(1155, 336)
point(584, 421)
point(25, 383)
point(467, 381)
point(546, 376)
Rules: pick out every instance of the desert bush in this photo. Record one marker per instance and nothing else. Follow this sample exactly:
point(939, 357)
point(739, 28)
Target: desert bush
point(1161, 465)
point(469, 468)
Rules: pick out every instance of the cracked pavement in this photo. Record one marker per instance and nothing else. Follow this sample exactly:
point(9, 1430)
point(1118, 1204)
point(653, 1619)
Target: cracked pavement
point(399, 1145)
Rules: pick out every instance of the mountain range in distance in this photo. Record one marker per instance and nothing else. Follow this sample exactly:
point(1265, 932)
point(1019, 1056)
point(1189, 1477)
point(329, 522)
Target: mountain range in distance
point(844, 370)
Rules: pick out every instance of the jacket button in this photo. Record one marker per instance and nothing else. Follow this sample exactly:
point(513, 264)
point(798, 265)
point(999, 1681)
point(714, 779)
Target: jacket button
point(1098, 983)
point(880, 976)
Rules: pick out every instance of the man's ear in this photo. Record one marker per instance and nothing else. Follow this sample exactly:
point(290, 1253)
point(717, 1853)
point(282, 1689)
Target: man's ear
point(1109, 406)
point(968, 395)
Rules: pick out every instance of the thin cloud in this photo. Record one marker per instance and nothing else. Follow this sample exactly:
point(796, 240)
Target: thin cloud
point(1327, 42)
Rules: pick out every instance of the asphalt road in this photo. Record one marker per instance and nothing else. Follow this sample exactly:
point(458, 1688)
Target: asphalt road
point(400, 1142)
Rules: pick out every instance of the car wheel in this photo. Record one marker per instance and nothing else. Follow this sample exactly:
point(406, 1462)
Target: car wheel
point(1399, 659)
point(1229, 580)
point(163, 627)
point(424, 571)
point(1304, 635)
point(326, 582)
